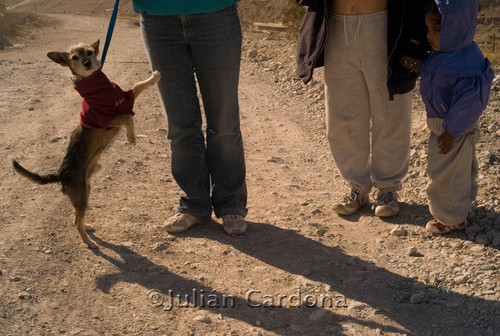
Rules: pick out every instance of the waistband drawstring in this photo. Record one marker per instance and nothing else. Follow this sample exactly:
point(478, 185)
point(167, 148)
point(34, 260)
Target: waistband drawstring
point(345, 34)
point(356, 33)
point(360, 21)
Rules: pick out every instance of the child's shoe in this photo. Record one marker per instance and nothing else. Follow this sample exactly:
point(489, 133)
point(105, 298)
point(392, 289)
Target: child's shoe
point(436, 227)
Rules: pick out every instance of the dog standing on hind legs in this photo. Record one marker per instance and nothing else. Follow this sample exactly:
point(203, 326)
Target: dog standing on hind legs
point(105, 109)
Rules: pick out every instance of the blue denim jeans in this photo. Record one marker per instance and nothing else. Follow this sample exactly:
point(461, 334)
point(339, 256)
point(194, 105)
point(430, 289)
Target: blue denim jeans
point(210, 171)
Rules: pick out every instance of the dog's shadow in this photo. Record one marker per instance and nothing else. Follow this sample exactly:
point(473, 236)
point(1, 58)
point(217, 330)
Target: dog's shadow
point(385, 292)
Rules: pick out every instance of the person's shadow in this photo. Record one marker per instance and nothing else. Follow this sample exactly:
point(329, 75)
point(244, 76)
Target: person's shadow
point(386, 293)
point(236, 307)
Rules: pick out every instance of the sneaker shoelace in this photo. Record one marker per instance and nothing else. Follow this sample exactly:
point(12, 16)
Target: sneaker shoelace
point(387, 197)
point(354, 194)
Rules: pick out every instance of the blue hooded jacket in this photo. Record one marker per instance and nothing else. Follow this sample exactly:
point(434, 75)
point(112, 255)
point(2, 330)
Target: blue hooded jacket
point(456, 81)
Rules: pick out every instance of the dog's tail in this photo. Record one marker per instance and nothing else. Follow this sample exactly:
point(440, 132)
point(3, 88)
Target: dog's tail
point(40, 179)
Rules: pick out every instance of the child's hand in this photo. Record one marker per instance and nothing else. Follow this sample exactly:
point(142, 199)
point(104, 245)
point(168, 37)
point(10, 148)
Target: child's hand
point(445, 142)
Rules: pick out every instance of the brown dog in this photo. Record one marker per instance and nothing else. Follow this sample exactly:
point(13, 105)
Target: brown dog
point(105, 109)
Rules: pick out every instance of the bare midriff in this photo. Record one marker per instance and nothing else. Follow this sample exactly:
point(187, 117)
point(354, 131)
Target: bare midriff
point(353, 7)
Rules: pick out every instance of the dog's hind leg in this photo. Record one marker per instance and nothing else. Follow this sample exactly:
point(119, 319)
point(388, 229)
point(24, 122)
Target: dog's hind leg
point(79, 198)
point(82, 228)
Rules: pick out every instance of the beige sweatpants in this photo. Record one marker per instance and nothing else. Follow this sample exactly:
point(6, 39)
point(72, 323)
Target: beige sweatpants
point(453, 176)
point(369, 135)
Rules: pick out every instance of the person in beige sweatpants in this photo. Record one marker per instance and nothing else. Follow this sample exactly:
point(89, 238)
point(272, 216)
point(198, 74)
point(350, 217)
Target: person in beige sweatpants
point(369, 134)
point(453, 177)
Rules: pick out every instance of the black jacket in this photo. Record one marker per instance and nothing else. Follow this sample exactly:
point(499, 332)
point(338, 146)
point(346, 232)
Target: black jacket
point(406, 35)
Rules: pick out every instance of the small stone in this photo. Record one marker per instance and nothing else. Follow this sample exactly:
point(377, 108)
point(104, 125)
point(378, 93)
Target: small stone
point(472, 230)
point(420, 297)
point(316, 212)
point(15, 279)
point(356, 305)
point(460, 280)
point(161, 247)
point(482, 239)
point(412, 251)
point(477, 248)
point(24, 296)
point(321, 232)
point(252, 53)
point(488, 267)
point(203, 319)
point(398, 231)
point(496, 240)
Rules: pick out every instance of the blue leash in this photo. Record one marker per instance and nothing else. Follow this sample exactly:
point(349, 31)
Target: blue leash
point(111, 27)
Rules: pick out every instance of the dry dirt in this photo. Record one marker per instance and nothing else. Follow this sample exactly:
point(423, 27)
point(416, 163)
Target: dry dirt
point(300, 269)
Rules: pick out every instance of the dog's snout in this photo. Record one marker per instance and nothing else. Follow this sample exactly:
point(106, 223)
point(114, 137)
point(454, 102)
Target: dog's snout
point(87, 63)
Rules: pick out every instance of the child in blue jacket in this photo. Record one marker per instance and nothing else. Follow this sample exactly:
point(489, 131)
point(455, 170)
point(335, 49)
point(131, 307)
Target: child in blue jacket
point(455, 86)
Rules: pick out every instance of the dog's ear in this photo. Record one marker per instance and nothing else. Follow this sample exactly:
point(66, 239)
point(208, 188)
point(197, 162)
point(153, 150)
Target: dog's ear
point(61, 58)
point(95, 45)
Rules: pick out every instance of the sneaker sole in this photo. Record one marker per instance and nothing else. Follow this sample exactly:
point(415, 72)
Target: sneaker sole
point(180, 228)
point(385, 212)
point(235, 231)
point(435, 229)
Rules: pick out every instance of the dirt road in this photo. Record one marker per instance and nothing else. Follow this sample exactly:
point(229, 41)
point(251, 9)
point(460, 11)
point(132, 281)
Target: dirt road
point(300, 269)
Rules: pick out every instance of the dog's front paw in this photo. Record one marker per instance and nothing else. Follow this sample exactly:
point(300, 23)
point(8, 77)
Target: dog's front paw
point(155, 77)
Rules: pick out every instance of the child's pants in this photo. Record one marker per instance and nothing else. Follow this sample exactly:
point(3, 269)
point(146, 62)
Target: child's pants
point(369, 135)
point(453, 176)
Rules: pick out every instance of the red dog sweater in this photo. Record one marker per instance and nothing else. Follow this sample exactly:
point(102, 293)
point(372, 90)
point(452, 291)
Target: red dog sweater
point(103, 101)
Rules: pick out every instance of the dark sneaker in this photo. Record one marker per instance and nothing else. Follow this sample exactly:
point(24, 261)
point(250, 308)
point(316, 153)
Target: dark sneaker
point(234, 224)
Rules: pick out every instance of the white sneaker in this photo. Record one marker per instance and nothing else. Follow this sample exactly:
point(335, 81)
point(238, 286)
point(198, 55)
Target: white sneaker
point(234, 224)
point(180, 222)
point(351, 203)
point(386, 203)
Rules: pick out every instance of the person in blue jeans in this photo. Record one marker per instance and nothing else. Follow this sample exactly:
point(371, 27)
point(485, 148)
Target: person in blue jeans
point(189, 42)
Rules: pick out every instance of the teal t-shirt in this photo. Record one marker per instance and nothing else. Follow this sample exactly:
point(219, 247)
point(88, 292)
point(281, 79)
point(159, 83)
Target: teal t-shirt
point(180, 7)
